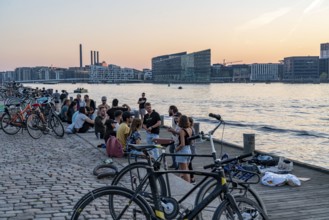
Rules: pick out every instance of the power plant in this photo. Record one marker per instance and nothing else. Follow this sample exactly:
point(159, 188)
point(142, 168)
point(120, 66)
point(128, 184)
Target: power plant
point(94, 56)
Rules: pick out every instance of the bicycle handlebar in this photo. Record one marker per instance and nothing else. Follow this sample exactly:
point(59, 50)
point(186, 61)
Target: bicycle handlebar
point(220, 163)
point(217, 116)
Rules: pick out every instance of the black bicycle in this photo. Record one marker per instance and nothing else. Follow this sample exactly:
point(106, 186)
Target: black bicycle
point(132, 175)
point(113, 202)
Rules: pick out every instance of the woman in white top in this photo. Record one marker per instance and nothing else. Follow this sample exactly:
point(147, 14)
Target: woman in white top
point(82, 121)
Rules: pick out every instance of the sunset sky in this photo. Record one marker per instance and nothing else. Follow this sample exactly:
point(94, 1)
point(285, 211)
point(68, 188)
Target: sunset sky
point(129, 33)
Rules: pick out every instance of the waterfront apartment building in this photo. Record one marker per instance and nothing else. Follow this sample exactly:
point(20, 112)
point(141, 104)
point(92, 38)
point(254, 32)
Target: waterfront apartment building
point(264, 71)
point(301, 69)
point(324, 51)
point(241, 73)
point(113, 73)
point(182, 67)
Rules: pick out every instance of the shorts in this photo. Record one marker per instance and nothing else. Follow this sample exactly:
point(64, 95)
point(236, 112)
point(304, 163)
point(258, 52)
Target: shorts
point(142, 111)
point(183, 159)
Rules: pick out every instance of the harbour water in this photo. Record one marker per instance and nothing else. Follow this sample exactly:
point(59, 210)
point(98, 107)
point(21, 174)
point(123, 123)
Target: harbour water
point(290, 120)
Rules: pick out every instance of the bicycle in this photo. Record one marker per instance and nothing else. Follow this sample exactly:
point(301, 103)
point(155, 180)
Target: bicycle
point(115, 202)
point(135, 172)
point(15, 118)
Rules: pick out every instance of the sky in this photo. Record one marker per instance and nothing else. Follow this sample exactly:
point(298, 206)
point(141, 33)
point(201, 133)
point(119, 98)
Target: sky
point(129, 33)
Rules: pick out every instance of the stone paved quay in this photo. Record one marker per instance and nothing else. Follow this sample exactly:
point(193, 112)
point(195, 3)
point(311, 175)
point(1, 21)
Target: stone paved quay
point(43, 179)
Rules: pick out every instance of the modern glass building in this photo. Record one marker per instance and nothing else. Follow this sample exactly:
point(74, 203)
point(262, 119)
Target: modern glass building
point(301, 68)
point(182, 67)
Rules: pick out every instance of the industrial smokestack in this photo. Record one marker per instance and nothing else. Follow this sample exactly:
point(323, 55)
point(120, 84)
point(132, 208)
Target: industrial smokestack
point(91, 58)
point(80, 55)
point(97, 56)
point(95, 61)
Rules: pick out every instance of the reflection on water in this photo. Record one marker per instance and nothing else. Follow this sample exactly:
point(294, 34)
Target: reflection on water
point(288, 119)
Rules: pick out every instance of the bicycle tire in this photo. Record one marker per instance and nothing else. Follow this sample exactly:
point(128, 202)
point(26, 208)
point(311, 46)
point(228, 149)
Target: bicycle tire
point(247, 207)
point(96, 204)
point(138, 169)
point(56, 125)
point(113, 171)
point(34, 125)
point(7, 126)
point(209, 186)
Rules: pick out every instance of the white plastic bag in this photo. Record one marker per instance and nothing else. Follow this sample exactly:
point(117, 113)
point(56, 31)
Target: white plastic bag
point(273, 179)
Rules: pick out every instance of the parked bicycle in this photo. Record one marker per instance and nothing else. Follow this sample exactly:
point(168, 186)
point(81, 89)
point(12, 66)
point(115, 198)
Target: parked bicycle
point(132, 175)
point(113, 202)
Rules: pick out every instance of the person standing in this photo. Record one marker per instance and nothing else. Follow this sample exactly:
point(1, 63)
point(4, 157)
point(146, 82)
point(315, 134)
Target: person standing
point(151, 124)
point(184, 146)
point(141, 102)
point(175, 136)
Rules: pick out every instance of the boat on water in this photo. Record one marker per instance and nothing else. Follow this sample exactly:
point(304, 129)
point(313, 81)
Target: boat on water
point(180, 87)
point(80, 90)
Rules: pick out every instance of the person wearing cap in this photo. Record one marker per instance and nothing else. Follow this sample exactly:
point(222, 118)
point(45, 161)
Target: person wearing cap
point(141, 102)
point(124, 129)
point(104, 104)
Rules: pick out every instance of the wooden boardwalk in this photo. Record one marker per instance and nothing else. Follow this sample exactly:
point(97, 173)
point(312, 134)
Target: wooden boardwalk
point(309, 201)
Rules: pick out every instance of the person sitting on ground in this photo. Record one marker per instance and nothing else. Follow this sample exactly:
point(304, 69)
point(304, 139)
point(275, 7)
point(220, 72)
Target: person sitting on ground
point(82, 122)
point(71, 110)
point(104, 104)
point(91, 106)
point(100, 123)
point(56, 97)
point(134, 137)
point(63, 96)
point(117, 118)
point(64, 110)
point(109, 131)
point(123, 131)
point(184, 146)
point(79, 101)
point(115, 106)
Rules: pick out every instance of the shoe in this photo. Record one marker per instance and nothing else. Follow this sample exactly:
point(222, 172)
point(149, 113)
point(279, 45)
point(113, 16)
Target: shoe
point(193, 181)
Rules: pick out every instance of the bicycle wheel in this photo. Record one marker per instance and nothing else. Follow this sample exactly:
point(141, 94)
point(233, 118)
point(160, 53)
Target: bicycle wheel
point(34, 125)
point(240, 190)
point(56, 125)
point(247, 207)
point(131, 176)
point(11, 125)
point(121, 205)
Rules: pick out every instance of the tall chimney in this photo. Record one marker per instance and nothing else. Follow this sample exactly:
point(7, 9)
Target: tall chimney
point(95, 62)
point(97, 56)
point(91, 58)
point(80, 55)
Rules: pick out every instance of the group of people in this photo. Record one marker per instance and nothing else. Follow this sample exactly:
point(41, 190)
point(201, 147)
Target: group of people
point(118, 121)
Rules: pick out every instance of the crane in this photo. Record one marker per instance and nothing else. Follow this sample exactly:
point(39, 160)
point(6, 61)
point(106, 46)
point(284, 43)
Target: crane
point(230, 62)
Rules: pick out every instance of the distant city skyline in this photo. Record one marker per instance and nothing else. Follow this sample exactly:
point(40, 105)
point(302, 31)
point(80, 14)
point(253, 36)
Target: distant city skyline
point(129, 33)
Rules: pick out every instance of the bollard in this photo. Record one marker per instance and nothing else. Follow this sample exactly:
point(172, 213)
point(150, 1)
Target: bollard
point(196, 127)
point(248, 143)
point(162, 121)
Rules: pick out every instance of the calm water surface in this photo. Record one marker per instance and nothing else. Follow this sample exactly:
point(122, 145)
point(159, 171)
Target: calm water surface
point(290, 120)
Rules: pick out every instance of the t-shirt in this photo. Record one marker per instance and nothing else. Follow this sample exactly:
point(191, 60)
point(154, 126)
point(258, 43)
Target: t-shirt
point(56, 96)
point(142, 105)
point(152, 119)
point(122, 134)
point(64, 110)
point(79, 120)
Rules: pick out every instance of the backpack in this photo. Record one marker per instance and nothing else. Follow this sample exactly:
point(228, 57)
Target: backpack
point(113, 147)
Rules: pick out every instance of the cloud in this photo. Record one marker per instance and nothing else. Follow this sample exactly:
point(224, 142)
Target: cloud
point(264, 19)
point(313, 6)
